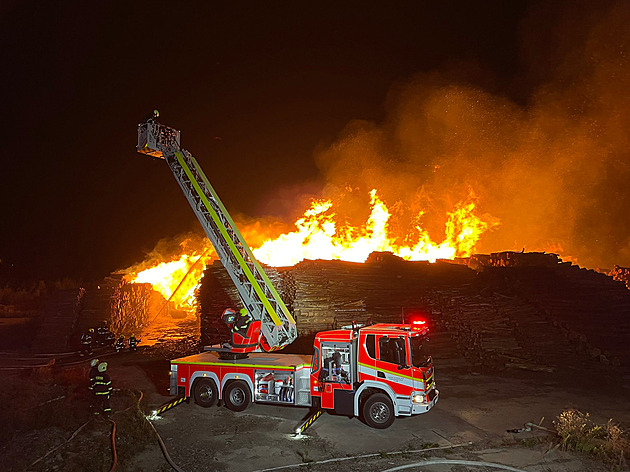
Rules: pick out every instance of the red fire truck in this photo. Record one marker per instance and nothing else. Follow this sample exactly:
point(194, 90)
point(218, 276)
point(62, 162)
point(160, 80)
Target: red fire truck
point(374, 372)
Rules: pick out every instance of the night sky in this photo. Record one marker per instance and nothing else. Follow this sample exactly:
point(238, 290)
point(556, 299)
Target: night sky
point(256, 88)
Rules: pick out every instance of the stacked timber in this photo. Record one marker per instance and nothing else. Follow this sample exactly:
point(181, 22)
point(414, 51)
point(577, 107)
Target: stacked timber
point(130, 307)
point(513, 259)
point(217, 292)
point(590, 308)
point(540, 316)
point(326, 295)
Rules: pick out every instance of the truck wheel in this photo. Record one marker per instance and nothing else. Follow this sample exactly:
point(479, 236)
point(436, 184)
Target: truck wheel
point(205, 392)
point(378, 411)
point(236, 395)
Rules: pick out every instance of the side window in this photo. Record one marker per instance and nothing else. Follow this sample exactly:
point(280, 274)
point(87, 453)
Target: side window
point(370, 345)
point(393, 350)
point(315, 361)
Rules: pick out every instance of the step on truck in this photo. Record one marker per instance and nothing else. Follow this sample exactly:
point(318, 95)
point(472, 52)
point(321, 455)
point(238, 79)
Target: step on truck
point(375, 372)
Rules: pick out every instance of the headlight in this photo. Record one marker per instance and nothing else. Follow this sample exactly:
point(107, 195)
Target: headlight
point(417, 398)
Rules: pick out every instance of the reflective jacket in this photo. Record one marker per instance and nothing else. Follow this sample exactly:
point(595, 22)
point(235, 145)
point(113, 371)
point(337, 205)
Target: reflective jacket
point(102, 384)
point(242, 323)
point(93, 374)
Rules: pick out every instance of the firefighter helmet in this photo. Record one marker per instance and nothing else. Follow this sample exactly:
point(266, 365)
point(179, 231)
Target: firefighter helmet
point(102, 367)
point(91, 330)
point(229, 316)
point(243, 311)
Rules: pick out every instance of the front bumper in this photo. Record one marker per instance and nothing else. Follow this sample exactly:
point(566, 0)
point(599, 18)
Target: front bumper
point(432, 396)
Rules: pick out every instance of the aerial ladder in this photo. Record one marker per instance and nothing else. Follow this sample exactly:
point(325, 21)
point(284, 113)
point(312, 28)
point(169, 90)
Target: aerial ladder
point(258, 295)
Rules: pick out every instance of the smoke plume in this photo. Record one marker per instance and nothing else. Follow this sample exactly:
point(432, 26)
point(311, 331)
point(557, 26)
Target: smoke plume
point(553, 167)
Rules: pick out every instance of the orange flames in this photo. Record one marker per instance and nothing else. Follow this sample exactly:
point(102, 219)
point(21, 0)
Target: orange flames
point(319, 235)
point(176, 280)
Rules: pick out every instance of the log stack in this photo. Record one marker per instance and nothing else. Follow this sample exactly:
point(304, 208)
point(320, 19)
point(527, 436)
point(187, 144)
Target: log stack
point(539, 314)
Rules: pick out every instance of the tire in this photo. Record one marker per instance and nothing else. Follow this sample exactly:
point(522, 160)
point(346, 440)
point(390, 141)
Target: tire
point(237, 396)
point(378, 411)
point(205, 392)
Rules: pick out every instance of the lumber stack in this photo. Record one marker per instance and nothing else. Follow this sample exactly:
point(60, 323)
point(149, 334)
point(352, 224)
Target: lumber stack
point(528, 316)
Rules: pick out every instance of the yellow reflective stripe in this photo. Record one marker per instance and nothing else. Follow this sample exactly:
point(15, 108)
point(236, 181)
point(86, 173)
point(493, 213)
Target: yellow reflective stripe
point(257, 366)
point(263, 274)
point(170, 405)
point(389, 372)
point(310, 421)
point(228, 239)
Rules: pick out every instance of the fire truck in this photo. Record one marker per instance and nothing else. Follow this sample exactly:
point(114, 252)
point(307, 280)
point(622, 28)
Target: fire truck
point(374, 372)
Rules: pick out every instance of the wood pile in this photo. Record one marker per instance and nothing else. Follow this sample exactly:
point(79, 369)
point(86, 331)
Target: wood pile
point(590, 308)
point(514, 259)
point(326, 295)
point(130, 307)
point(536, 317)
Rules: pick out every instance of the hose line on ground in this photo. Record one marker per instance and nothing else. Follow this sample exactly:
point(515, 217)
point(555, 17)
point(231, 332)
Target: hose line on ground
point(159, 438)
point(362, 456)
point(114, 446)
point(454, 462)
point(164, 451)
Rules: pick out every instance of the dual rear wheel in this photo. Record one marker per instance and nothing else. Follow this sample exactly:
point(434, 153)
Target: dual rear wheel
point(377, 410)
point(236, 394)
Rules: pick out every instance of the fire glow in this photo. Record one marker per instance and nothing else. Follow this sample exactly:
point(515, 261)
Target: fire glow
point(319, 235)
point(176, 280)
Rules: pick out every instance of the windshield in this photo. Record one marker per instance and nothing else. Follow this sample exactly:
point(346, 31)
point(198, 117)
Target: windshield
point(419, 356)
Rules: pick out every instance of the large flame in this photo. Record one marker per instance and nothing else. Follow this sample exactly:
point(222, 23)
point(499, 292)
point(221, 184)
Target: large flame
point(176, 280)
point(318, 236)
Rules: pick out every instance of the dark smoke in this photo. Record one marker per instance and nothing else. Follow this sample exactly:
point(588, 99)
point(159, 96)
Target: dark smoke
point(553, 166)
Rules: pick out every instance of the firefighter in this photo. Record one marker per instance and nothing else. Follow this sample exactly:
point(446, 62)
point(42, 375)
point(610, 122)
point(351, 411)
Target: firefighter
point(92, 378)
point(332, 370)
point(229, 318)
point(120, 344)
point(86, 342)
point(242, 322)
point(103, 388)
point(133, 342)
point(104, 336)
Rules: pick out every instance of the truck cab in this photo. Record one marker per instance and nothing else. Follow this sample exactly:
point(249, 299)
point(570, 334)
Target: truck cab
point(376, 372)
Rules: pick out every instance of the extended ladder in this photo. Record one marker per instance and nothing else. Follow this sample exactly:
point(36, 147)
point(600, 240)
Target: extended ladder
point(257, 293)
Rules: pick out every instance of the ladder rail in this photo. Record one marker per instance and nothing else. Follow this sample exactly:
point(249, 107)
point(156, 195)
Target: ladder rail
point(255, 289)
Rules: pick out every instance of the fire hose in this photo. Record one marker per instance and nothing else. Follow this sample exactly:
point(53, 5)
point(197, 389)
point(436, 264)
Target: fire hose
point(408, 466)
point(114, 446)
point(161, 443)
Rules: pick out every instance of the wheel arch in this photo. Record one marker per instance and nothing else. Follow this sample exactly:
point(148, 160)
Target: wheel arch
point(203, 375)
point(368, 388)
point(227, 378)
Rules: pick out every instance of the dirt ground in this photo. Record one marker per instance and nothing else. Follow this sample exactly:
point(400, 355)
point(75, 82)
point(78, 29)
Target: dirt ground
point(469, 423)
point(467, 429)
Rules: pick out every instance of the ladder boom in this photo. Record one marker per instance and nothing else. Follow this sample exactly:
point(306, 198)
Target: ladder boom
point(257, 292)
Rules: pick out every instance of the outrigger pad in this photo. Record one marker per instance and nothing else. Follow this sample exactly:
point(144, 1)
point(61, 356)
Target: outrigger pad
point(226, 353)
